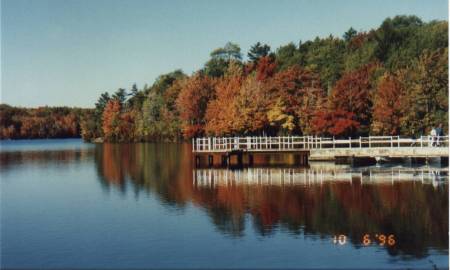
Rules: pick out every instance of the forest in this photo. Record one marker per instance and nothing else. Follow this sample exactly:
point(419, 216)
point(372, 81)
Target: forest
point(42, 122)
point(392, 80)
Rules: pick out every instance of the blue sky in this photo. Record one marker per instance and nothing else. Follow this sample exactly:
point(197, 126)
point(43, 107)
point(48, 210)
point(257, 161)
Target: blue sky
point(67, 52)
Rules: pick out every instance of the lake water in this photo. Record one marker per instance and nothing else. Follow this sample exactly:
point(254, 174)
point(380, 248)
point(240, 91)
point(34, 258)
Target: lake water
point(67, 204)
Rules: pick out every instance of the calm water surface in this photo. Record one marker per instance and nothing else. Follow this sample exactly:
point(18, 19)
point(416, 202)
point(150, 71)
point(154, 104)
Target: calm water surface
point(69, 204)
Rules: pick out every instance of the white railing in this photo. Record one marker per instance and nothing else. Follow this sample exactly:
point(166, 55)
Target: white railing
point(298, 143)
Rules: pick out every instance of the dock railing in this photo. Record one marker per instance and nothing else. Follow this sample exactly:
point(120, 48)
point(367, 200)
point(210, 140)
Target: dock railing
point(299, 143)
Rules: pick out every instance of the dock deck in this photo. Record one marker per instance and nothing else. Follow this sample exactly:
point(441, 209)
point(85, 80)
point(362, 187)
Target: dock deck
point(320, 148)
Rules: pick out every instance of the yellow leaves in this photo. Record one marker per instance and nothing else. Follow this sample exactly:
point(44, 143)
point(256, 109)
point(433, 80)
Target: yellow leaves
point(289, 123)
point(250, 106)
point(277, 116)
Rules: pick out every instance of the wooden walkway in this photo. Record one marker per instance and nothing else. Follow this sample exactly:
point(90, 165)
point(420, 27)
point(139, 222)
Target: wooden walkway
point(306, 143)
point(319, 148)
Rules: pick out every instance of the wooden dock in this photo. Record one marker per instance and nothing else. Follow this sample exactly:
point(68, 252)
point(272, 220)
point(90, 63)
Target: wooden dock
point(312, 148)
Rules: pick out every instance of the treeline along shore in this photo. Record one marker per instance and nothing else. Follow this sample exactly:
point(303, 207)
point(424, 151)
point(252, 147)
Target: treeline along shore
point(40, 123)
point(386, 81)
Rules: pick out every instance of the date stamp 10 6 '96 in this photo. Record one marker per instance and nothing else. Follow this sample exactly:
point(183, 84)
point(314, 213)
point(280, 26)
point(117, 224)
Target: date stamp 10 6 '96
point(368, 239)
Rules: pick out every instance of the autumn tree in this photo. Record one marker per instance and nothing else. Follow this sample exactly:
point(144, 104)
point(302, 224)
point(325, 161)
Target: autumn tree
point(251, 106)
point(426, 100)
point(300, 92)
point(126, 127)
point(192, 101)
point(220, 113)
point(387, 107)
point(278, 117)
point(353, 94)
point(338, 123)
point(265, 68)
point(111, 120)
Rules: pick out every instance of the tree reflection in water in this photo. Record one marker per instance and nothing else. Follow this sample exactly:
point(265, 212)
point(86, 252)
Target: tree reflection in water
point(411, 204)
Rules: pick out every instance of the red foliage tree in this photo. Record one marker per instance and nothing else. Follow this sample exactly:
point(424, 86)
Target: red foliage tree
point(126, 127)
point(300, 91)
point(266, 68)
point(352, 93)
point(387, 108)
point(335, 123)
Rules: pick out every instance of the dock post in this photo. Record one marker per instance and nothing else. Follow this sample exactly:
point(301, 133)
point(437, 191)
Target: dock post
point(224, 160)
point(239, 158)
point(250, 159)
point(197, 161)
point(210, 160)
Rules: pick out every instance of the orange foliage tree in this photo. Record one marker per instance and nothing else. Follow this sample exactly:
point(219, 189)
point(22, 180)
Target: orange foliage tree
point(110, 120)
point(192, 101)
point(221, 111)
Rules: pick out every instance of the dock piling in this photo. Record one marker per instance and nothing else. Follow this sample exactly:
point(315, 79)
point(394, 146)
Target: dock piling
point(210, 160)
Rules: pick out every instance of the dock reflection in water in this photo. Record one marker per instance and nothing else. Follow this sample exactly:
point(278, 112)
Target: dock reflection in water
point(408, 204)
point(311, 176)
